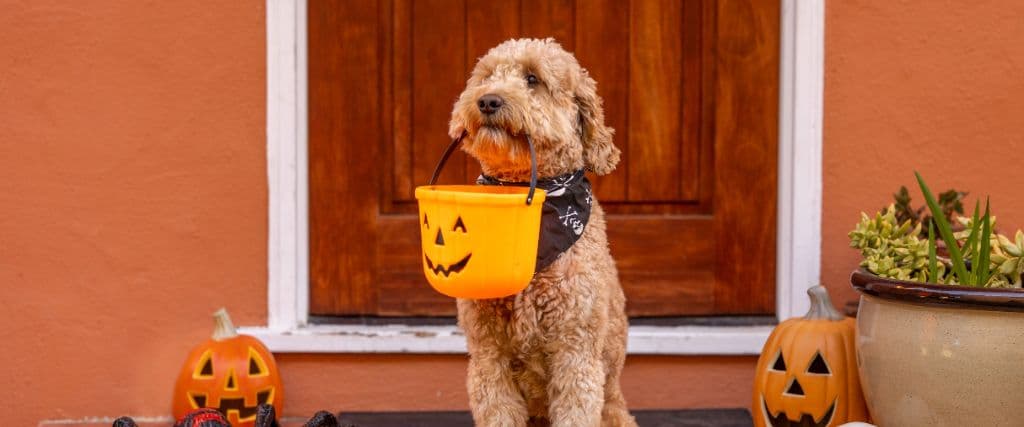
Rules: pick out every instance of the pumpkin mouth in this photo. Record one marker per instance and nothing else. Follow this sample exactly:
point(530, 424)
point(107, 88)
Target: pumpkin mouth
point(806, 420)
point(236, 404)
point(441, 270)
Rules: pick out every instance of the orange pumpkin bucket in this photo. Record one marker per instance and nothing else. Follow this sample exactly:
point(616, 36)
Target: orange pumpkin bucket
point(479, 241)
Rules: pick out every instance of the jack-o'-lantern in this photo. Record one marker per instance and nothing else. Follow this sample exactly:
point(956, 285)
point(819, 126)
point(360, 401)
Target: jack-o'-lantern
point(479, 241)
point(807, 372)
point(231, 373)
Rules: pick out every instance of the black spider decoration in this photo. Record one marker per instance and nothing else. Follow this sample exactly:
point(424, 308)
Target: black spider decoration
point(265, 417)
point(203, 417)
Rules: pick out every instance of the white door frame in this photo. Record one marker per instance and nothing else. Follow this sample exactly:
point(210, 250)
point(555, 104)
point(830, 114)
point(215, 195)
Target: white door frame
point(799, 206)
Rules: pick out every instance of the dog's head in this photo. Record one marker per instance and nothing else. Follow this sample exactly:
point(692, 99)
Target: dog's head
point(533, 87)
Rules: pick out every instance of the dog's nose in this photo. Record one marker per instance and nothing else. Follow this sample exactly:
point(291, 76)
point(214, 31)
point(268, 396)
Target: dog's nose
point(489, 103)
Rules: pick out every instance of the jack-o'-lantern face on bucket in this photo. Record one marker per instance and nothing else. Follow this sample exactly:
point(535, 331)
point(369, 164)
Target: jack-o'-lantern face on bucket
point(478, 241)
point(457, 231)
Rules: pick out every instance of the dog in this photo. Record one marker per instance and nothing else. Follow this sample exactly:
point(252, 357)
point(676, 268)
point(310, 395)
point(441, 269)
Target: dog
point(552, 354)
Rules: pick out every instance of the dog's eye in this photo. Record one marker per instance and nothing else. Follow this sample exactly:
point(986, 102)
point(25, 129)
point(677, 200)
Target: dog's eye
point(532, 79)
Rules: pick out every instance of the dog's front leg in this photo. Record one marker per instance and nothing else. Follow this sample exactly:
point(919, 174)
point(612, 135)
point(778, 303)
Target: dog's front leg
point(576, 386)
point(494, 398)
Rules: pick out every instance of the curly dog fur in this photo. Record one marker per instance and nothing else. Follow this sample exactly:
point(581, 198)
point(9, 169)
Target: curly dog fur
point(552, 354)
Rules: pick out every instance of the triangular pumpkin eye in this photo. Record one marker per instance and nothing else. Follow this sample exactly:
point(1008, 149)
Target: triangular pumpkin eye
point(204, 369)
point(818, 366)
point(459, 224)
point(207, 369)
point(257, 367)
point(425, 223)
point(198, 400)
point(779, 365)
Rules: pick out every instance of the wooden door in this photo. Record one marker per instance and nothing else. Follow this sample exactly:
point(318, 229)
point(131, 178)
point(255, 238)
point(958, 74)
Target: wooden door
point(691, 88)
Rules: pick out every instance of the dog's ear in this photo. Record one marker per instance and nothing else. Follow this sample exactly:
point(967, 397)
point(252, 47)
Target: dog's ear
point(457, 124)
point(599, 154)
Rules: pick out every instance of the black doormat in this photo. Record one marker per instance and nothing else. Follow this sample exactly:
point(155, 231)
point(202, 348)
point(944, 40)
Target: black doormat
point(634, 321)
point(645, 418)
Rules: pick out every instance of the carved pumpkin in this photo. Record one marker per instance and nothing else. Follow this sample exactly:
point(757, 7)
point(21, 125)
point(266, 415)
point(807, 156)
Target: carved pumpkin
point(807, 372)
point(231, 373)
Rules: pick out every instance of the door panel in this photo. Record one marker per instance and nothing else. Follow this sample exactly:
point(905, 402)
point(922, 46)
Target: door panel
point(344, 141)
point(656, 102)
point(689, 86)
point(746, 116)
point(604, 51)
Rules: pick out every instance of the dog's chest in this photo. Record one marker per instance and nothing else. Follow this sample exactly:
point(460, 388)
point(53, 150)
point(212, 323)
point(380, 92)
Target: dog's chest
point(533, 316)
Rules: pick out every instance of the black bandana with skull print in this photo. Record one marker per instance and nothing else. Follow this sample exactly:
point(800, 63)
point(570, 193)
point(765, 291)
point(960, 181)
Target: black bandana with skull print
point(564, 215)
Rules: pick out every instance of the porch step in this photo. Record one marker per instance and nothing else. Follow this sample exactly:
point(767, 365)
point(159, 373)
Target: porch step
point(645, 418)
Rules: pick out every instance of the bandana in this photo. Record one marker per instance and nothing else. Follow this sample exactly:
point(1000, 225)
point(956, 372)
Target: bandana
point(564, 215)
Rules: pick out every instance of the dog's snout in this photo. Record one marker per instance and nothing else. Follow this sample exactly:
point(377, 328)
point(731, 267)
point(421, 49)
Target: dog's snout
point(490, 103)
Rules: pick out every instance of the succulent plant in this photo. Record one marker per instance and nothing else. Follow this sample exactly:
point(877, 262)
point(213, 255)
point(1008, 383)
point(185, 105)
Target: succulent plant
point(890, 248)
point(904, 211)
point(901, 243)
point(966, 224)
point(978, 272)
point(951, 202)
point(877, 231)
point(1008, 256)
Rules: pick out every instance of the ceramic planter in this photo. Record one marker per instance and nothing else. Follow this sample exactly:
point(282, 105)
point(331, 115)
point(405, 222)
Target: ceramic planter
point(939, 355)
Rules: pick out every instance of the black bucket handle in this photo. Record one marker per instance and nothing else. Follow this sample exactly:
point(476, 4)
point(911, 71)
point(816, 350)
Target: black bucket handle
point(455, 143)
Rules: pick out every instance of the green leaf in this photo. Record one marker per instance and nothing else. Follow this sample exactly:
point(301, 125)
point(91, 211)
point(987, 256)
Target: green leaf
point(986, 247)
point(933, 264)
point(959, 268)
point(972, 236)
point(971, 245)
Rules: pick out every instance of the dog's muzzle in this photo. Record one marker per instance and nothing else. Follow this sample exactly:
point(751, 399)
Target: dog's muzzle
point(489, 104)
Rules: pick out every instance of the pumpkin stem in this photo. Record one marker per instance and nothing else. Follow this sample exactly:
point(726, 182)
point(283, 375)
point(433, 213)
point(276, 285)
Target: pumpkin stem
point(222, 326)
point(821, 305)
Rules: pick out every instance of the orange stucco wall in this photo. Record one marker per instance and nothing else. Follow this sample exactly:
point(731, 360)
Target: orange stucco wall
point(133, 192)
point(926, 85)
point(132, 196)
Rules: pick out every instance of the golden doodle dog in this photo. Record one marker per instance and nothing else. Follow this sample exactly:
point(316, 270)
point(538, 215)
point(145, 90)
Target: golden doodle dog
point(552, 354)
